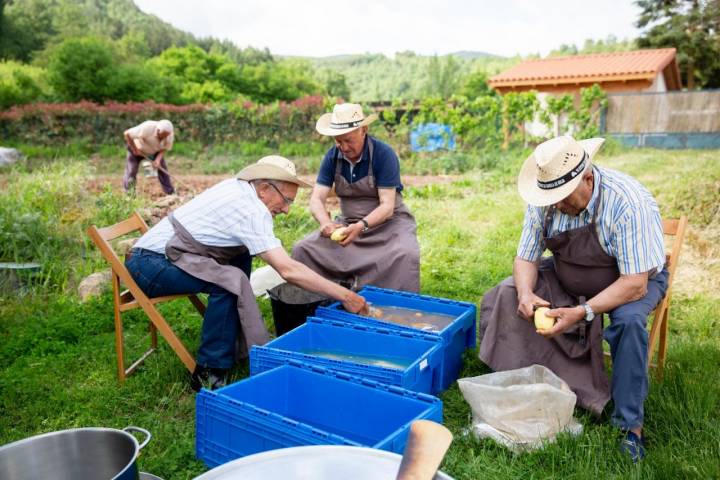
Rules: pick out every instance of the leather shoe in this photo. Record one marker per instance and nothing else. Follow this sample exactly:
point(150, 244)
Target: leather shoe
point(208, 377)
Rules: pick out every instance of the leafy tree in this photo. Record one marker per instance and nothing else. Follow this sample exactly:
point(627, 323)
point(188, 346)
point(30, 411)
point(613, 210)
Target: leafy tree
point(20, 84)
point(475, 85)
point(442, 79)
point(609, 44)
point(26, 28)
point(83, 68)
point(335, 83)
point(691, 26)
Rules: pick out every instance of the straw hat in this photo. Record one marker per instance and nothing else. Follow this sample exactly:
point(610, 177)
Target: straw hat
point(272, 167)
point(555, 169)
point(344, 118)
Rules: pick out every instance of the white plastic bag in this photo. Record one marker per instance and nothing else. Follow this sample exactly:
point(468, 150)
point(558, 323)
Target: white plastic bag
point(264, 279)
point(521, 409)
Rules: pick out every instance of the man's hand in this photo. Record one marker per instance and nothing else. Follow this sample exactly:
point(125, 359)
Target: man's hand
point(565, 319)
point(354, 303)
point(353, 231)
point(527, 304)
point(327, 229)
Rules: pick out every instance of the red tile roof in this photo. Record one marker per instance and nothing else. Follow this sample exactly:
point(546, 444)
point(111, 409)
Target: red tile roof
point(601, 67)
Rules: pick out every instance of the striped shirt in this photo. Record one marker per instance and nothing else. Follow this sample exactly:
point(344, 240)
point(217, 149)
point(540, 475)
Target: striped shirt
point(628, 224)
point(228, 214)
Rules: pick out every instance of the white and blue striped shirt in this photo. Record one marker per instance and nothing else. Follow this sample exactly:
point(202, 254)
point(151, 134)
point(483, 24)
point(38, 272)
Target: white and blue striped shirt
point(228, 214)
point(628, 224)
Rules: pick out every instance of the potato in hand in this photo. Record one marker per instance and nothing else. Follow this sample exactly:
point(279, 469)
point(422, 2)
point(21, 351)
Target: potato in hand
point(542, 321)
point(339, 234)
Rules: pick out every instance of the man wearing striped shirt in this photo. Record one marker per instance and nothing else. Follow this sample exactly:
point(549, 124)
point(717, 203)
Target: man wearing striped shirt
point(605, 233)
point(207, 246)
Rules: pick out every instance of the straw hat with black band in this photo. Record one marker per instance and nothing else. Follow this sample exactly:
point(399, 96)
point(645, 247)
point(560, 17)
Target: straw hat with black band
point(555, 169)
point(272, 167)
point(344, 118)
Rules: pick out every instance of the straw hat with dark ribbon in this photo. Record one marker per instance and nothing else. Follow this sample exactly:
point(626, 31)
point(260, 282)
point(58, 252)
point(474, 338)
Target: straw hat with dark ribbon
point(555, 168)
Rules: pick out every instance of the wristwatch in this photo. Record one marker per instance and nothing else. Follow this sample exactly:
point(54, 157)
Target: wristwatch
point(366, 227)
point(589, 314)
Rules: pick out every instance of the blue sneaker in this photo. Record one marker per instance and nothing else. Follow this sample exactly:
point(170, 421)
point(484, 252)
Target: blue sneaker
point(634, 446)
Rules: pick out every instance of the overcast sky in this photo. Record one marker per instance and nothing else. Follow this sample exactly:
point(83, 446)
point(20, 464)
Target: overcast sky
point(322, 27)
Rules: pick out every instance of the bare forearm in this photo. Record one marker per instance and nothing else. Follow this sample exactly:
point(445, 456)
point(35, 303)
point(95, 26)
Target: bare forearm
point(624, 290)
point(524, 275)
point(317, 208)
point(379, 215)
point(298, 274)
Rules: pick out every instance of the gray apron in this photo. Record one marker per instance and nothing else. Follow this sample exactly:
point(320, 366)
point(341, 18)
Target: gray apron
point(387, 255)
point(578, 269)
point(210, 264)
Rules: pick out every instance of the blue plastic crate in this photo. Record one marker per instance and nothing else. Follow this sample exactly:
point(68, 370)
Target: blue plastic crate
point(419, 353)
point(298, 404)
point(456, 337)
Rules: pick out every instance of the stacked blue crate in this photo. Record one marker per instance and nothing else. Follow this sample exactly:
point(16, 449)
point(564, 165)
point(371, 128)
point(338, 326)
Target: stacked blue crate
point(456, 337)
point(420, 354)
point(299, 404)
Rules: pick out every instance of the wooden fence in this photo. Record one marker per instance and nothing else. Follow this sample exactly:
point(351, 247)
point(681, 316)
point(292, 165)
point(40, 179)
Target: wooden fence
point(666, 112)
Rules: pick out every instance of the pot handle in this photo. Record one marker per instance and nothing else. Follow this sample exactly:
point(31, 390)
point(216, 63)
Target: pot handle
point(141, 430)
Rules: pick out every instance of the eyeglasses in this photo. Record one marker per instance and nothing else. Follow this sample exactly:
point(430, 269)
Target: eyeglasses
point(288, 201)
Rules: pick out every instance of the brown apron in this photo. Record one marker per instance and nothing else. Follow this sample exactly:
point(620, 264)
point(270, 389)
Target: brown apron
point(210, 264)
point(387, 255)
point(578, 269)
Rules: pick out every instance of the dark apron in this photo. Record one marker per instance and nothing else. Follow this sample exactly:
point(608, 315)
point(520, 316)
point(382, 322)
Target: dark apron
point(387, 255)
point(211, 265)
point(579, 269)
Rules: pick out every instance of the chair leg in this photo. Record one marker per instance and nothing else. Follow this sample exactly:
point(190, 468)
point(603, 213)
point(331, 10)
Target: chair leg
point(118, 328)
point(153, 336)
point(199, 305)
point(662, 351)
point(168, 334)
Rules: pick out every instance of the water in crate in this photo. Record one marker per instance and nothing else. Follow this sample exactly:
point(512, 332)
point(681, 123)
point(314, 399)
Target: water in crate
point(426, 321)
point(397, 363)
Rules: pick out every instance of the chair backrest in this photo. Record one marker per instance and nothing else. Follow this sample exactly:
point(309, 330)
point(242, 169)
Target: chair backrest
point(674, 227)
point(103, 236)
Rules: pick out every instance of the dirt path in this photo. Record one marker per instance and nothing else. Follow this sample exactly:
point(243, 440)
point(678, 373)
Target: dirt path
point(194, 184)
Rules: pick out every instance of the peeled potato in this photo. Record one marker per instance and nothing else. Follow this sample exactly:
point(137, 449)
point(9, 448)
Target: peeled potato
point(542, 321)
point(339, 234)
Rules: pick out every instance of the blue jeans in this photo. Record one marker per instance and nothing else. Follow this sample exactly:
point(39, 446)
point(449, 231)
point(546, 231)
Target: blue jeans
point(628, 338)
point(157, 276)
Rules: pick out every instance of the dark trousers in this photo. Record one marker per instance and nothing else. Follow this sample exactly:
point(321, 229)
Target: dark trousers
point(157, 276)
point(132, 163)
point(628, 338)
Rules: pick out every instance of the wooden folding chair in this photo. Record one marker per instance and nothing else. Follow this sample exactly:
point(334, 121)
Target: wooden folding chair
point(133, 297)
point(673, 227)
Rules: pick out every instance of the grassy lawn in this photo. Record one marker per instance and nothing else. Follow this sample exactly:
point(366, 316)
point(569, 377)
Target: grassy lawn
point(57, 355)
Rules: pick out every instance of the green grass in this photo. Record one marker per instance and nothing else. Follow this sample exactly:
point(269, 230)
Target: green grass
point(58, 358)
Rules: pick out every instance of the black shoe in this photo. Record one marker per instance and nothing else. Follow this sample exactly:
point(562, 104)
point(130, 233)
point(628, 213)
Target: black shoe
point(208, 377)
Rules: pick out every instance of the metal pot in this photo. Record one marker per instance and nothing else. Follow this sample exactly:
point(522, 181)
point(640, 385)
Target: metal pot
point(78, 453)
point(318, 462)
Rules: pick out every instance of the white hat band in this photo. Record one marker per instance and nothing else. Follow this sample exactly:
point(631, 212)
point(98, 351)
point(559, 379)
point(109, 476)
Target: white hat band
point(346, 125)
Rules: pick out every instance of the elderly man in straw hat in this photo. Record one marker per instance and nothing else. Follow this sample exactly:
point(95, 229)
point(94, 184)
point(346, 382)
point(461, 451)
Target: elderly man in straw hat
point(207, 246)
point(605, 234)
point(379, 244)
point(151, 139)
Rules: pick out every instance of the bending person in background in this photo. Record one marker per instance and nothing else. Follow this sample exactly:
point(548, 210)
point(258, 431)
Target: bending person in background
point(606, 237)
point(380, 238)
point(207, 245)
point(151, 139)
